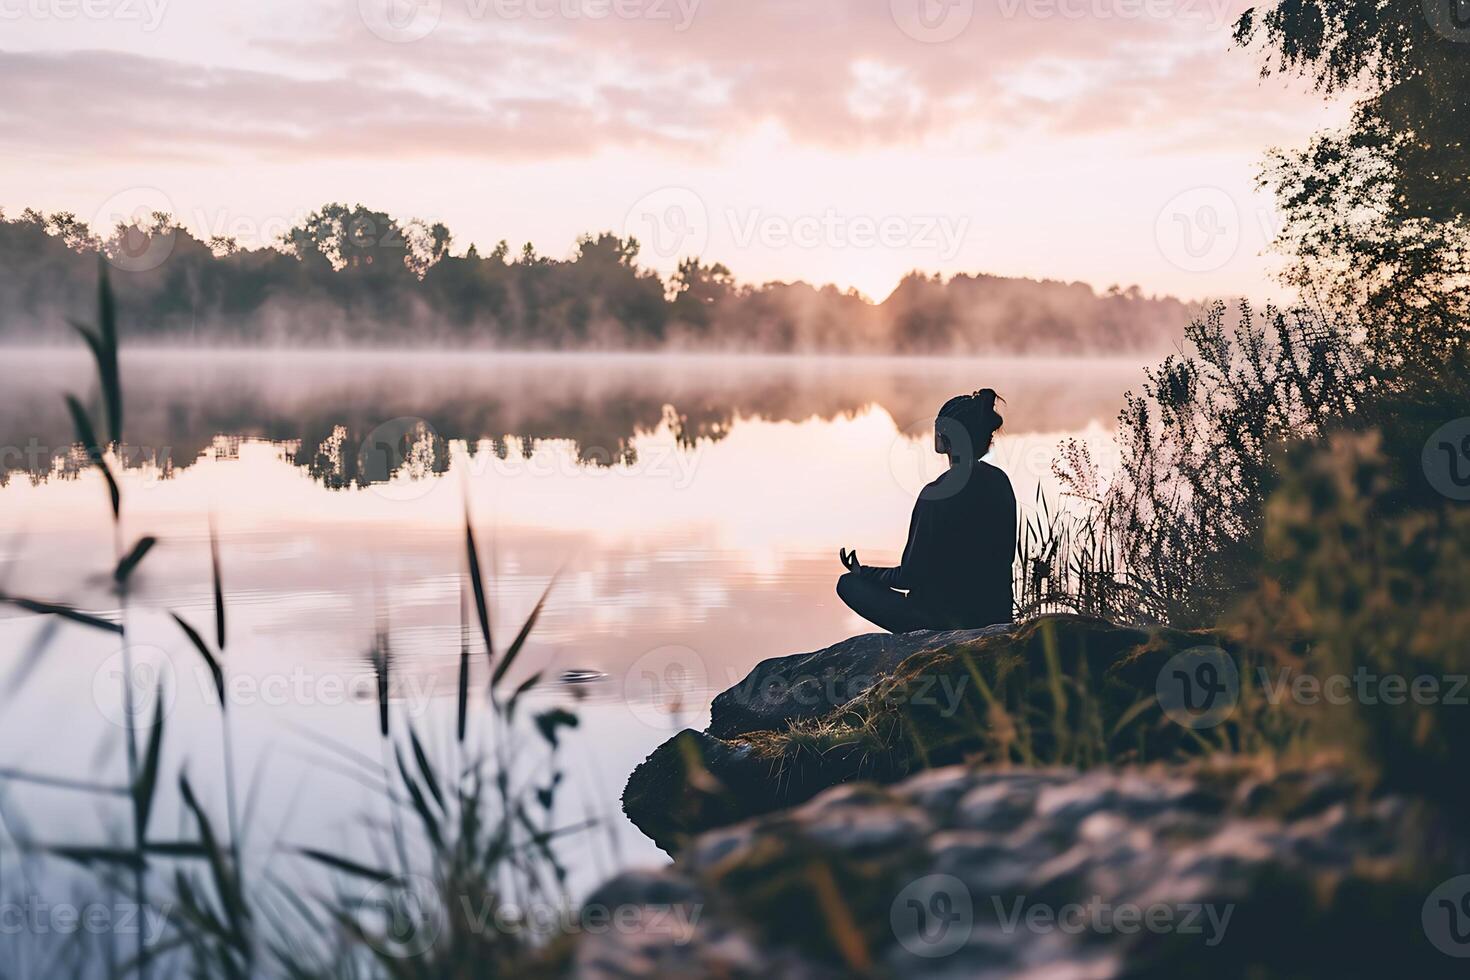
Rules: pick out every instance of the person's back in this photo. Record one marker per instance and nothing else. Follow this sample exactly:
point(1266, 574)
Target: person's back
point(963, 572)
point(956, 567)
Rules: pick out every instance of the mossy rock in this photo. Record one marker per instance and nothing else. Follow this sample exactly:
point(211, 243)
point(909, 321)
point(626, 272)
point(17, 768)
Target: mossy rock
point(788, 689)
point(1061, 689)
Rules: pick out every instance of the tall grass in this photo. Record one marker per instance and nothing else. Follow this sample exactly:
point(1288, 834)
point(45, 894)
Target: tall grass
point(466, 824)
point(1070, 559)
point(142, 768)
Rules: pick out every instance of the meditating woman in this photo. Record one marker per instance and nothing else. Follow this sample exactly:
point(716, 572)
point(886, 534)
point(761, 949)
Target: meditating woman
point(956, 569)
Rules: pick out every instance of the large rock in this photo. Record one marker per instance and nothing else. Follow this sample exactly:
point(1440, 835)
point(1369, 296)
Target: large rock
point(880, 707)
point(807, 685)
point(1201, 869)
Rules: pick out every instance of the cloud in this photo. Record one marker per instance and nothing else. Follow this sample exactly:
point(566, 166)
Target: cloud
point(502, 79)
point(104, 102)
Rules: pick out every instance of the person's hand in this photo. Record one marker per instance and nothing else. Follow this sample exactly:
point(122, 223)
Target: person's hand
point(849, 559)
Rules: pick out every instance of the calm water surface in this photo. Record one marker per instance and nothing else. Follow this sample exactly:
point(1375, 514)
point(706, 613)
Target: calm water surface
point(692, 506)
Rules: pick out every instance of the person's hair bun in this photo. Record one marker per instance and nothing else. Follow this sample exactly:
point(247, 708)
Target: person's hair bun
point(986, 399)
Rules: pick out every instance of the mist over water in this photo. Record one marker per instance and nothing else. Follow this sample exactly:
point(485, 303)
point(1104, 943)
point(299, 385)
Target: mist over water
point(184, 405)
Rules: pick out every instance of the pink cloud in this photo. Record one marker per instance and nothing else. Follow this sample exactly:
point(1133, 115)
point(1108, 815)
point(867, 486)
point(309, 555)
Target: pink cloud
point(492, 83)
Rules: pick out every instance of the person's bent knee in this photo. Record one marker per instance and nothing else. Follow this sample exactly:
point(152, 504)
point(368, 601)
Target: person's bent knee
point(847, 584)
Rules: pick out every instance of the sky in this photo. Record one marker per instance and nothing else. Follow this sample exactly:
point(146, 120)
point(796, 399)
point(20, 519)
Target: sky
point(842, 141)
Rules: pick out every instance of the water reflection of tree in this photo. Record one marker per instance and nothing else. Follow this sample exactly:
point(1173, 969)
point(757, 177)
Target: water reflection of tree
point(334, 417)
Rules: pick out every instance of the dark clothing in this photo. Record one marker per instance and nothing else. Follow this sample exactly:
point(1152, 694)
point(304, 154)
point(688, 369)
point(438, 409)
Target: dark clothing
point(957, 564)
point(885, 608)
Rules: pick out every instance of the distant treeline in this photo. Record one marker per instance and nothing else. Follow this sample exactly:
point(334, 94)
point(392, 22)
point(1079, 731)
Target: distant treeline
point(353, 276)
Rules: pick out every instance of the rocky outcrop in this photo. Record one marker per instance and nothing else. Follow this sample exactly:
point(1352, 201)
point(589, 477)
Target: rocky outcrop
point(1058, 689)
point(962, 871)
point(807, 685)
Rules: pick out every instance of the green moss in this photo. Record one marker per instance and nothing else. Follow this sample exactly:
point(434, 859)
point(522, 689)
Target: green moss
point(1061, 690)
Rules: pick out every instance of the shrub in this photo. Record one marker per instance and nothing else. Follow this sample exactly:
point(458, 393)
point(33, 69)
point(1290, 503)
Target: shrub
point(1184, 511)
point(1356, 584)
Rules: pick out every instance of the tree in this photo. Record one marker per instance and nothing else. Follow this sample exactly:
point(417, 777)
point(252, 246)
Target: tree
point(1377, 215)
point(350, 238)
point(699, 290)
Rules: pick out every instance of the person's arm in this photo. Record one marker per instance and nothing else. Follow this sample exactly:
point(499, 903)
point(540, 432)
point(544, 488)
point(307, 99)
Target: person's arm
point(876, 573)
point(882, 574)
point(900, 576)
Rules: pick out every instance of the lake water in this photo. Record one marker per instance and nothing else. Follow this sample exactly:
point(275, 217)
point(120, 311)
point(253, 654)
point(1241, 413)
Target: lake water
point(692, 506)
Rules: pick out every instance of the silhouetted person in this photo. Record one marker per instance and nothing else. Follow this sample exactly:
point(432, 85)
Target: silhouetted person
point(956, 566)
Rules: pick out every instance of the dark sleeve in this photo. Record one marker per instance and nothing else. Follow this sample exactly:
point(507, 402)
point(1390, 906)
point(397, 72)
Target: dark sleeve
point(882, 574)
point(903, 577)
